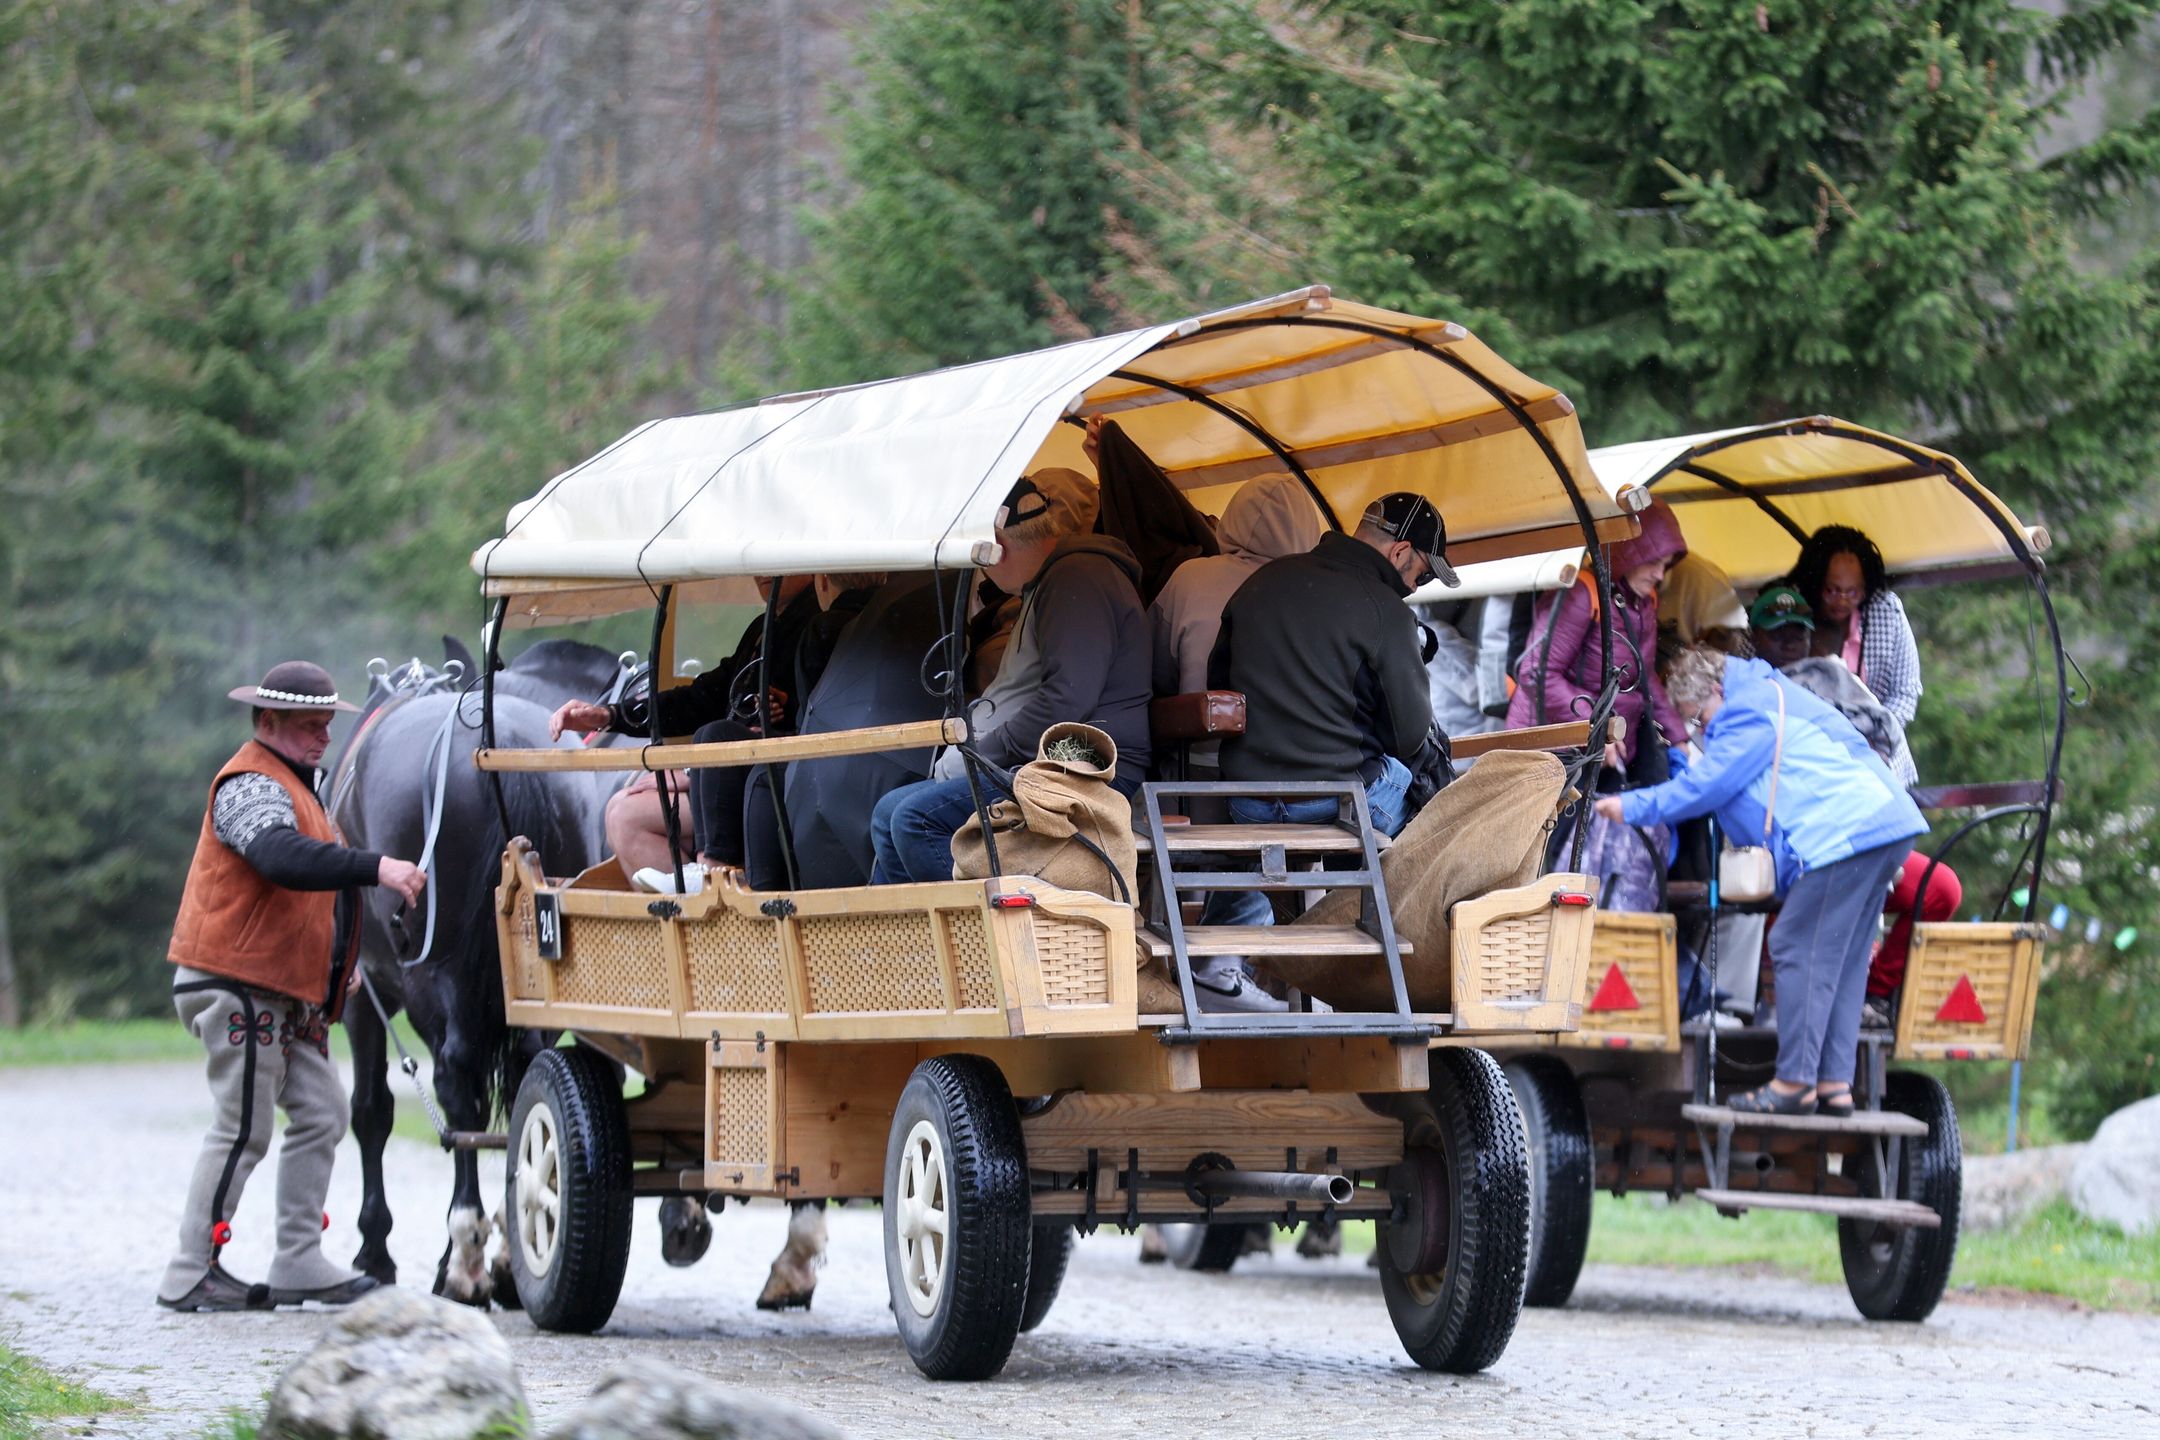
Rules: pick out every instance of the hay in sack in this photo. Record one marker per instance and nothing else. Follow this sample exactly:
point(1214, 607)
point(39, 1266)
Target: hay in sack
point(1484, 832)
point(1059, 797)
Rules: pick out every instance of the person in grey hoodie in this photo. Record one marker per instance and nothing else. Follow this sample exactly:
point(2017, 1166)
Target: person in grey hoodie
point(1267, 519)
point(1079, 651)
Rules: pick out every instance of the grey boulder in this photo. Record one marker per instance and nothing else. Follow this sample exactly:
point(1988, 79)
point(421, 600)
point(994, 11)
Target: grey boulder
point(648, 1400)
point(400, 1365)
point(2117, 1179)
point(2001, 1190)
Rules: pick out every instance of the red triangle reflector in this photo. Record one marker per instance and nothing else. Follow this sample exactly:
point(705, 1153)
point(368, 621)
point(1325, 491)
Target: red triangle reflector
point(1614, 993)
point(1963, 1006)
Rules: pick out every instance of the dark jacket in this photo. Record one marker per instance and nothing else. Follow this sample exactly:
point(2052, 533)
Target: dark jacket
point(1327, 656)
point(1082, 651)
point(711, 695)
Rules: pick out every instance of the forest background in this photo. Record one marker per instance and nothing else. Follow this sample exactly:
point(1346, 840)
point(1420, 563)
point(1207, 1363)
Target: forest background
point(297, 298)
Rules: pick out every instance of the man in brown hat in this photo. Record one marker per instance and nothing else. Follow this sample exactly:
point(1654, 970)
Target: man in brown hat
point(265, 949)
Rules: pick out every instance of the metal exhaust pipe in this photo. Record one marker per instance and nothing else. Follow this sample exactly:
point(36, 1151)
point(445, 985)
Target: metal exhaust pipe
point(1297, 1185)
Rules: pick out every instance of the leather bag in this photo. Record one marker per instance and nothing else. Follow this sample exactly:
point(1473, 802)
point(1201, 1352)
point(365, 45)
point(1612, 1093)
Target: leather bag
point(1749, 872)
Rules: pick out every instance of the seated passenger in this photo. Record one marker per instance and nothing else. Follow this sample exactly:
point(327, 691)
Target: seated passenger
point(1698, 597)
point(1079, 651)
point(1467, 675)
point(1267, 519)
point(1858, 618)
point(1562, 668)
point(1328, 658)
point(717, 705)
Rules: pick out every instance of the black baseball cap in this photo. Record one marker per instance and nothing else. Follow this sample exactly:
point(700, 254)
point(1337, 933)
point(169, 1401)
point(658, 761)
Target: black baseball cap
point(1415, 519)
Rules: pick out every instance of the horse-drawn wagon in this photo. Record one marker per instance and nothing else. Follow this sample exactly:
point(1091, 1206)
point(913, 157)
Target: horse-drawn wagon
point(976, 1054)
point(1628, 1102)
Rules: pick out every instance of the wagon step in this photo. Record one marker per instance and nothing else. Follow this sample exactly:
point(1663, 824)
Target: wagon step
point(1845, 1207)
point(1299, 940)
point(1252, 839)
point(1863, 1122)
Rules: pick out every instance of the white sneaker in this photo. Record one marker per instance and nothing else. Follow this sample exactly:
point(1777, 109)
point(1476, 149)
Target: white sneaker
point(1242, 996)
point(662, 882)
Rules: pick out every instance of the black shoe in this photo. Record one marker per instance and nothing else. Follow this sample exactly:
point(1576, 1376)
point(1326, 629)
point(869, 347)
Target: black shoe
point(218, 1290)
point(342, 1293)
point(1769, 1100)
point(1877, 1014)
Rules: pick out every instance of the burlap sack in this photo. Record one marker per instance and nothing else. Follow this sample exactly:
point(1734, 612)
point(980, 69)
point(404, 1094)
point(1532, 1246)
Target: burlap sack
point(1485, 832)
point(1055, 801)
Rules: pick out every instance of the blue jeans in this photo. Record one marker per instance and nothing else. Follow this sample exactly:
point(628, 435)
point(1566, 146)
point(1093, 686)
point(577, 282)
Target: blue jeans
point(1384, 797)
point(912, 829)
point(1819, 951)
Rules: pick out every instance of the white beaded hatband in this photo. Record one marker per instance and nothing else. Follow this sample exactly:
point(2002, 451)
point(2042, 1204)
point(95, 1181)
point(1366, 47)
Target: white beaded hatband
point(291, 698)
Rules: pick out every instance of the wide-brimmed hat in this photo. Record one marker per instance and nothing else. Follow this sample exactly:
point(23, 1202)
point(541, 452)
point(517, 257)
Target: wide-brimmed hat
point(294, 685)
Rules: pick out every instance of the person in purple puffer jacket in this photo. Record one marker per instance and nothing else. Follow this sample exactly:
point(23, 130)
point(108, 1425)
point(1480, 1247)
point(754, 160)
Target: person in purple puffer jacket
point(1561, 669)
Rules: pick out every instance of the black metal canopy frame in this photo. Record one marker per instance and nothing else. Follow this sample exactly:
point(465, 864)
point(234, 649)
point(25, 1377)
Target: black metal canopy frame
point(1925, 464)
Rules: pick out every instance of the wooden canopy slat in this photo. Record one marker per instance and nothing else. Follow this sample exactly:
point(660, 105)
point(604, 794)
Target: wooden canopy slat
point(777, 749)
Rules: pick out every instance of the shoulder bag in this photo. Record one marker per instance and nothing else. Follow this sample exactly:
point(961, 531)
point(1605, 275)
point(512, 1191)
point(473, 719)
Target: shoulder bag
point(1749, 872)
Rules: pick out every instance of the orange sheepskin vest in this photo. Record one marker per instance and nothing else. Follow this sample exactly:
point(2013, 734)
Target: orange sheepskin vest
point(236, 924)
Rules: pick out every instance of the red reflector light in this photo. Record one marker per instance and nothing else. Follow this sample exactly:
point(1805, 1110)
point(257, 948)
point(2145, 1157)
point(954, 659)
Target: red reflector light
point(1961, 1054)
point(1618, 1042)
point(1012, 902)
point(1573, 897)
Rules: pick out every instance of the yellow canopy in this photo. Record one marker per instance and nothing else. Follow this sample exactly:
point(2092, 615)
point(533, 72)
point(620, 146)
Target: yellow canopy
point(1745, 498)
point(908, 474)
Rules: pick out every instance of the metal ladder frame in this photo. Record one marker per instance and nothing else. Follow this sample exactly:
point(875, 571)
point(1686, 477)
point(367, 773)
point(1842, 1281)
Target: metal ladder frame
point(1171, 884)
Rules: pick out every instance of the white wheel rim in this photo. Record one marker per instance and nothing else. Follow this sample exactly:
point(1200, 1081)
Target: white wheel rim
point(922, 1218)
point(539, 1189)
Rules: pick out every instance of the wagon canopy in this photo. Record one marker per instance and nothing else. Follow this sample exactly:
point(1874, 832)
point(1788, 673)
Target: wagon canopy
point(907, 474)
point(1746, 498)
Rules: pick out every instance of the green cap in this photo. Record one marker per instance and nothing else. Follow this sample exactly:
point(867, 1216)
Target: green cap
point(1780, 605)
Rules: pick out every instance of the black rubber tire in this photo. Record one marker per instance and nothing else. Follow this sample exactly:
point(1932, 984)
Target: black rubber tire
point(1213, 1248)
point(1556, 1132)
point(583, 1278)
point(1472, 1218)
point(1899, 1274)
point(976, 1311)
point(1049, 1253)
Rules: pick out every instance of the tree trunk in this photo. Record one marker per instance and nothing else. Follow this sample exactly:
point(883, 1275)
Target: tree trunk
point(10, 997)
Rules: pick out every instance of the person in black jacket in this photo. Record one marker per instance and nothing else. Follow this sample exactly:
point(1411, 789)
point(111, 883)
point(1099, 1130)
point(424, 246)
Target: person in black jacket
point(1081, 650)
point(1327, 655)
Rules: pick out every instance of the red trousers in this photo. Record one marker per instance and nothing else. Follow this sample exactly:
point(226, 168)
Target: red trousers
point(1944, 895)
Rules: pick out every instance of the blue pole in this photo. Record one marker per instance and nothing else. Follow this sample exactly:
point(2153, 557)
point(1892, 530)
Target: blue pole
point(2017, 1075)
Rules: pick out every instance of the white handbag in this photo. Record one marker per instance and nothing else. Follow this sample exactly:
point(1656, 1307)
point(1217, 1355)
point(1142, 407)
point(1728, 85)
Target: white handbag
point(1749, 872)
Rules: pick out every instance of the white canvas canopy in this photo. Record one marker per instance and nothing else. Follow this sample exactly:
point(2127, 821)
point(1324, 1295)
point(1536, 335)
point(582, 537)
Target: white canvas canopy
point(908, 474)
point(1745, 497)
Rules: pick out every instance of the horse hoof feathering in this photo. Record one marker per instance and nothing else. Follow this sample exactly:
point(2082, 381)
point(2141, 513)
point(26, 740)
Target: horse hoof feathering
point(685, 1233)
point(500, 1281)
point(794, 1272)
point(463, 1274)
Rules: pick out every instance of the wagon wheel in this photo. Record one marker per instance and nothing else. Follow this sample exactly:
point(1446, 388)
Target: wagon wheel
point(1557, 1134)
point(1204, 1247)
point(1051, 1251)
point(957, 1225)
point(1452, 1256)
point(566, 1190)
point(1898, 1272)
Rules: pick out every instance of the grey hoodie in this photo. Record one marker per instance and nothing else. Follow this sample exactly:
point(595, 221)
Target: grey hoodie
point(1267, 519)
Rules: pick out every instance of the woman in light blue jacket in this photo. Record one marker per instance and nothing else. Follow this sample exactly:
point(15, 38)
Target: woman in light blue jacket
point(1838, 827)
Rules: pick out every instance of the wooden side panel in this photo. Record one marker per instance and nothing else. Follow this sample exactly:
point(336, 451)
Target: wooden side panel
point(1518, 958)
point(745, 1117)
point(1955, 967)
point(1645, 949)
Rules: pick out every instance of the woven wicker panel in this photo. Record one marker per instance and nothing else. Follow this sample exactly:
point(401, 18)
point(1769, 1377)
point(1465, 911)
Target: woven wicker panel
point(735, 965)
point(741, 1133)
point(969, 941)
point(526, 980)
point(1511, 958)
point(1075, 960)
point(1940, 958)
point(1640, 953)
point(607, 961)
point(871, 962)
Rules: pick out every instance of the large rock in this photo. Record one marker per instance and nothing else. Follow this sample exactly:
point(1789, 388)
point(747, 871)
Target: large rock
point(2117, 1179)
point(647, 1400)
point(400, 1365)
point(2001, 1190)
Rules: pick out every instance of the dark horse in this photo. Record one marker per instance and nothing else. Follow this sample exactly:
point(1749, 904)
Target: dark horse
point(455, 997)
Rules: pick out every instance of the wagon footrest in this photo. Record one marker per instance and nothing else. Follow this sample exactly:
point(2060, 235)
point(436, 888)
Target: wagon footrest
point(1846, 1207)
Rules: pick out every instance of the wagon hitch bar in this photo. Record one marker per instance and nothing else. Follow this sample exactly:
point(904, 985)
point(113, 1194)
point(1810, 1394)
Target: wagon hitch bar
point(1211, 1178)
point(476, 1140)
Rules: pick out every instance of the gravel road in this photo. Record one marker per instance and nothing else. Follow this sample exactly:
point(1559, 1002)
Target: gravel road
point(91, 1161)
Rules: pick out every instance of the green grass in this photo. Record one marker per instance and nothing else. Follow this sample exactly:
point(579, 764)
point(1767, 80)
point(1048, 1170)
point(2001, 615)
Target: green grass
point(2053, 1252)
point(29, 1393)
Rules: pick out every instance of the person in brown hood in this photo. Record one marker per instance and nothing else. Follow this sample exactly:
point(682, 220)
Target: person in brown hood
point(264, 954)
